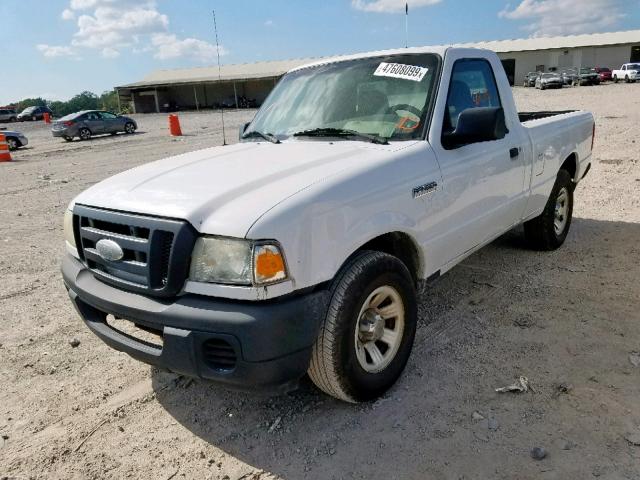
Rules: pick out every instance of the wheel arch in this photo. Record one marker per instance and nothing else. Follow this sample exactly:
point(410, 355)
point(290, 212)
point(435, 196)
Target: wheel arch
point(570, 164)
point(399, 244)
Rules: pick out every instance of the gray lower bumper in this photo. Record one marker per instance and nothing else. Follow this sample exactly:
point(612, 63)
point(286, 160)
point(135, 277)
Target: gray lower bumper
point(271, 340)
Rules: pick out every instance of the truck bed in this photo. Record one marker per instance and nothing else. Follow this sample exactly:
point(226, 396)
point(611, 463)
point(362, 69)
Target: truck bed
point(527, 116)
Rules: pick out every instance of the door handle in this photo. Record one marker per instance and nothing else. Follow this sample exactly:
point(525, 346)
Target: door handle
point(514, 152)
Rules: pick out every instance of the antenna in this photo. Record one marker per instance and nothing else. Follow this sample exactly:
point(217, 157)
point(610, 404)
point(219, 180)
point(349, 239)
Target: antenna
point(215, 27)
point(406, 24)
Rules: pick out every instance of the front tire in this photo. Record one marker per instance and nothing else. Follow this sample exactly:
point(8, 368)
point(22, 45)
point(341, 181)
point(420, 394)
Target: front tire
point(129, 128)
point(367, 335)
point(549, 230)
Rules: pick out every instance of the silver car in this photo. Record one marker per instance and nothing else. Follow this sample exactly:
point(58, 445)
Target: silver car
point(8, 115)
point(88, 123)
point(14, 139)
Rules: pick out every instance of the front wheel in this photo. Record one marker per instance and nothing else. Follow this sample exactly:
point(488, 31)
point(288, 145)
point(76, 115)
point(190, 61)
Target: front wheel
point(129, 128)
point(549, 230)
point(367, 335)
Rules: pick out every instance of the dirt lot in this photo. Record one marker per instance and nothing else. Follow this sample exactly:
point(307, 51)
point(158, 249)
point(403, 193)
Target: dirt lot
point(567, 320)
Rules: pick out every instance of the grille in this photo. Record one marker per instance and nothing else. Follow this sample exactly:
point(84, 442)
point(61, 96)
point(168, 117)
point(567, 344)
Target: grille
point(219, 354)
point(156, 251)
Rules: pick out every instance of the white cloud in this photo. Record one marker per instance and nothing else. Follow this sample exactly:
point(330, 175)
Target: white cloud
point(109, 52)
point(562, 17)
point(52, 51)
point(68, 14)
point(390, 6)
point(169, 46)
point(111, 26)
point(268, 23)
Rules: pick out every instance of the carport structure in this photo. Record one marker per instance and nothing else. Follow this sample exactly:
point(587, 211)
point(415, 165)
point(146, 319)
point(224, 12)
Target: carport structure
point(202, 88)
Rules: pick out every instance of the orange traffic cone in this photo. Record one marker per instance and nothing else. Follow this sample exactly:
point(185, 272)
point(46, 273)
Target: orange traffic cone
point(46, 117)
point(174, 125)
point(5, 156)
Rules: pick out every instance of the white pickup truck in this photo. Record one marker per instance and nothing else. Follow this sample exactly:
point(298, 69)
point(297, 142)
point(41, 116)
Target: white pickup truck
point(629, 72)
point(299, 249)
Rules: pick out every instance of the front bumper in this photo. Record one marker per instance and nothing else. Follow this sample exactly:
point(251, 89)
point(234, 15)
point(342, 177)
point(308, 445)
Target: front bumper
point(271, 340)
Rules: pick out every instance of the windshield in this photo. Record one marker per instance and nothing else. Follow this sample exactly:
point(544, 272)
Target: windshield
point(587, 70)
point(387, 97)
point(29, 109)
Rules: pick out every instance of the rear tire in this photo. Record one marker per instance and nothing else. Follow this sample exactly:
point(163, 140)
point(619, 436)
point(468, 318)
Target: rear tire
point(549, 230)
point(85, 134)
point(367, 335)
point(12, 143)
point(615, 79)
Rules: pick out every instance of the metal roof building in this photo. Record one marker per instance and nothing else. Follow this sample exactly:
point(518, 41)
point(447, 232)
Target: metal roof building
point(196, 88)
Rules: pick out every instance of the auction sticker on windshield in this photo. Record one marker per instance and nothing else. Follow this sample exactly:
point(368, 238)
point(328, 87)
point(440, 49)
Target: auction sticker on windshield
point(399, 70)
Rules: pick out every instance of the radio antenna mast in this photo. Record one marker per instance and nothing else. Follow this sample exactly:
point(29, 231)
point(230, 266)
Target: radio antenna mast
point(215, 27)
point(406, 24)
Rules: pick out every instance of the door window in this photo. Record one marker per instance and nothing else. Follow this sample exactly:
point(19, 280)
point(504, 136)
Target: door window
point(108, 116)
point(472, 85)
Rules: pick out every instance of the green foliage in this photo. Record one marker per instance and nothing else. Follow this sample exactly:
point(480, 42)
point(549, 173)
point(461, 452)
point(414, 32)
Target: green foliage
point(109, 101)
point(83, 101)
point(30, 102)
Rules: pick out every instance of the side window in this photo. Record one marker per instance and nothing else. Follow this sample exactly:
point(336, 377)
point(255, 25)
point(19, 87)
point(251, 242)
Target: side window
point(472, 85)
point(92, 116)
point(107, 115)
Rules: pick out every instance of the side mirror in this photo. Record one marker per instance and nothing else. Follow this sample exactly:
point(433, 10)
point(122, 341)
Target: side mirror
point(482, 124)
point(243, 128)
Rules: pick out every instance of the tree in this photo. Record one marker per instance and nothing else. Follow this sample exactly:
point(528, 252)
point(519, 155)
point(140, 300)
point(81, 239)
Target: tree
point(109, 101)
point(30, 102)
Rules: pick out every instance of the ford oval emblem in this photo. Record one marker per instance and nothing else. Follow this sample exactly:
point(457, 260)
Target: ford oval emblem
point(109, 250)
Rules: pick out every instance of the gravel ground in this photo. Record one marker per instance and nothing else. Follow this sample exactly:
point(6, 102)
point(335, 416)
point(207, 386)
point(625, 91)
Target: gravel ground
point(567, 320)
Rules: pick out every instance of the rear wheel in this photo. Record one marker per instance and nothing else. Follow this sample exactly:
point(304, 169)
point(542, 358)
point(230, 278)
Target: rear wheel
point(615, 79)
point(129, 128)
point(85, 134)
point(549, 230)
point(34, 118)
point(13, 119)
point(366, 338)
point(12, 143)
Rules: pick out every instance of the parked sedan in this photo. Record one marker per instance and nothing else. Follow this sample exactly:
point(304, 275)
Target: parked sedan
point(8, 115)
point(549, 80)
point(88, 123)
point(14, 139)
point(604, 73)
point(34, 113)
point(530, 79)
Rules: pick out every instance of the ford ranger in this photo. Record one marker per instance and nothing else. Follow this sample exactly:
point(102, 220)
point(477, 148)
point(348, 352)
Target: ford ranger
point(300, 248)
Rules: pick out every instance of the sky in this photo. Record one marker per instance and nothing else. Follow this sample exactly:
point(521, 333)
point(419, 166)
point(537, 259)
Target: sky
point(58, 48)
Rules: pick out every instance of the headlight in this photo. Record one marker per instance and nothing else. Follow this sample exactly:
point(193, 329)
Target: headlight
point(236, 261)
point(68, 229)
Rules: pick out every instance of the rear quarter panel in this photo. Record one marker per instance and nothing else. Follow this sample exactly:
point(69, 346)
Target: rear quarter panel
point(554, 139)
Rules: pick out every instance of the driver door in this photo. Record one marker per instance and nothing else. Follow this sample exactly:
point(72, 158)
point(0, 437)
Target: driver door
point(481, 181)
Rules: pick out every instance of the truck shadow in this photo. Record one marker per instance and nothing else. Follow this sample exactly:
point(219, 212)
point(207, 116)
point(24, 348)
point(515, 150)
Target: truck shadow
point(498, 315)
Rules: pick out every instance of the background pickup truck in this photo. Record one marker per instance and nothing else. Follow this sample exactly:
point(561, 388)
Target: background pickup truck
point(629, 72)
point(299, 249)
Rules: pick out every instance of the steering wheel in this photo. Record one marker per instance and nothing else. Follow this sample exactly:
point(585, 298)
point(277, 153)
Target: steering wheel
point(406, 108)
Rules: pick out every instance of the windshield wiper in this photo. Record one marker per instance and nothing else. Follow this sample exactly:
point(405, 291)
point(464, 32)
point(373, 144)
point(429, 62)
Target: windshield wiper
point(341, 132)
point(267, 136)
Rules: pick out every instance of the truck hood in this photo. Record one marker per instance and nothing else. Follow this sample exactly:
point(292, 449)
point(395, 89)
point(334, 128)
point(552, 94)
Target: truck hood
point(224, 190)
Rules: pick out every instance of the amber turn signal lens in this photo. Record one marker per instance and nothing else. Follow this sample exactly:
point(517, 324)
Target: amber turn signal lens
point(268, 264)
